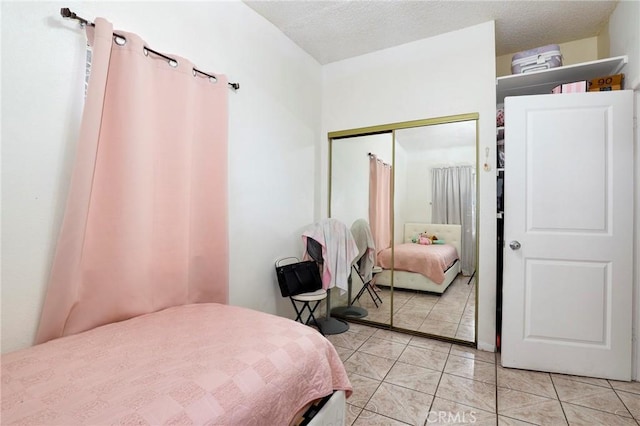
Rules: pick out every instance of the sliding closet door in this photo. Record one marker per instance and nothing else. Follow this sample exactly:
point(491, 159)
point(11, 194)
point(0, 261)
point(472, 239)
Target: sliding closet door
point(568, 231)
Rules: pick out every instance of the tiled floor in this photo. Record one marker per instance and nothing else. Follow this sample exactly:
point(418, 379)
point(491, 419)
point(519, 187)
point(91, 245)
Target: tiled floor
point(400, 379)
point(449, 315)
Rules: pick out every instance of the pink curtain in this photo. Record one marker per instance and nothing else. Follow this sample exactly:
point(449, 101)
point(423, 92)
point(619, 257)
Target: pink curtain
point(380, 202)
point(145, 225)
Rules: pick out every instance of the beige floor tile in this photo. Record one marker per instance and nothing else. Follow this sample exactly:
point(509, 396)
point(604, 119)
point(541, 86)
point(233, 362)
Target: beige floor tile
point(466, 332)
point(469, 311)
point(384, 307)
point(371, 366)
point(409, 317)
point(608, 402)
point(468, 392)
point(468, 320)
point(397, 306)
point(527, 381)
point(588, 380)
point(582, 416)
point(449, 307)
point(369, 418)
point(444, 316)
point(455, 298)
point(407, 322)
point(422, 301)
point(458, 287)
point(361, 329)
point(590, 396)
point(400, 392)
point(633, 387)
point(445, 412)
point(471, 369)
point(344, 353)
point(392, 335)
point(423, 358)
point(383, 348)
point(348, 339)
point(368, 303)
point(414, 377)
point(400, 403)
point(419, 306)
point(529, 407)
point(414, 309)
point(363, 388)
point(631, 401)
point(467, 352)
point(413, 315)
point(508, 421)
point(431, 344)
point(401, 297)
point(439, 328)
point(352, 413)
point(380, 317)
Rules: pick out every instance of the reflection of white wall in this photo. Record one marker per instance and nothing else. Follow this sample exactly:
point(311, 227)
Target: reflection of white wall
point(402, 186)
point(417, 203)
point(350, 174)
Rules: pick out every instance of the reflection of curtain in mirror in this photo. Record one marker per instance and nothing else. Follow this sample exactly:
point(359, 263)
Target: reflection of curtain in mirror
point(453, 193)
point(380, 202)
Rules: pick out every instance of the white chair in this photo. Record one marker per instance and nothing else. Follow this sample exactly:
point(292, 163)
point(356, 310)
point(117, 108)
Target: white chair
point(309, 301)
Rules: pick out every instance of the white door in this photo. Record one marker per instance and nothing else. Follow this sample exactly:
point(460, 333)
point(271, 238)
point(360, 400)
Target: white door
point(567, 292)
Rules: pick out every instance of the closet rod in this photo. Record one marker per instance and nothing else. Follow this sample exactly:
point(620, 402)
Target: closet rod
point(65, 12)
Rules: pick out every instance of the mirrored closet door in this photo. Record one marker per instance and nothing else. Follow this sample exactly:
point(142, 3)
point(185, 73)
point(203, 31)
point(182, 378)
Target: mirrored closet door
point(411, 186)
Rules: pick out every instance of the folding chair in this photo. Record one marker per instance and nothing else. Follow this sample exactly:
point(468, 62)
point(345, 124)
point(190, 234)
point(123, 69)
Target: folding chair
point(367, 286)
point(309, 301)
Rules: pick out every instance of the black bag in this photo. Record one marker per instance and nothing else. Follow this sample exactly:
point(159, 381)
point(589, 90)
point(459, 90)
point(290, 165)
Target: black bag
point(298, 278)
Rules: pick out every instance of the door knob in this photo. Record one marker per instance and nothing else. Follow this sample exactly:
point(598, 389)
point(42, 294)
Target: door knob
point(515, 245)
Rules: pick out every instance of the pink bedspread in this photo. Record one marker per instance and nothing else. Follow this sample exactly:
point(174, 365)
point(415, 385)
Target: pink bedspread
point(194, 364)
point(431, 261)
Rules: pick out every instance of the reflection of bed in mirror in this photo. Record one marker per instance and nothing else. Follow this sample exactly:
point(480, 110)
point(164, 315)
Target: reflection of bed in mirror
point(451, 234)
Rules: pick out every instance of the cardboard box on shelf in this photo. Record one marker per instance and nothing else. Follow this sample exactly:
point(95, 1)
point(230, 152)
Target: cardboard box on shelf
point(606, 88)
point(610, 82)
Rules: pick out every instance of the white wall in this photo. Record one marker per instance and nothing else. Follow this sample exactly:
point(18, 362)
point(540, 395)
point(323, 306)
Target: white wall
point(624, 36)
point(274, 131)
point(449, 74)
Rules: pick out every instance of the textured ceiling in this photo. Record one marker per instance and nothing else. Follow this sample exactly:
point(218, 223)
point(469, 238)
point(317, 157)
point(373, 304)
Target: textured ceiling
point(334, 30)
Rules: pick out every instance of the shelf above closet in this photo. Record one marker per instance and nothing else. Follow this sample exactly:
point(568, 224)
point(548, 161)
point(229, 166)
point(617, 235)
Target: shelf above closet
point(542, 82)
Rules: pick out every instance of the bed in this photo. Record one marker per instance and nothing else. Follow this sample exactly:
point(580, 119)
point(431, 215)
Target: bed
point(195, 364)
point(406, 279)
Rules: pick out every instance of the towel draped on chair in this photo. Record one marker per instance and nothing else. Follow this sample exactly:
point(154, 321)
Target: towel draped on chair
point(366, 257)
point(339, 250)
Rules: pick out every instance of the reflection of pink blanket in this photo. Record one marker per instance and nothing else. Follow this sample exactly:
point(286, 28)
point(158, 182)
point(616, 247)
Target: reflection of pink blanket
point(431, 261)
point(195, 364)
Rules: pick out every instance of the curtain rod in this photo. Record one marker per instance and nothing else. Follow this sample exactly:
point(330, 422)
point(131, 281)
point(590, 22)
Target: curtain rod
point(65, 12)
point(370, 154)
